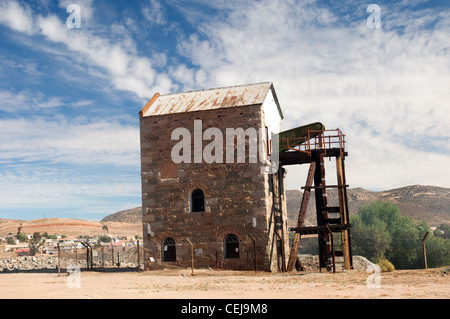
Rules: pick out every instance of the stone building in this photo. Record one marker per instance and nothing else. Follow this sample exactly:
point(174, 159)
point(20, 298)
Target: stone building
point(209, 188)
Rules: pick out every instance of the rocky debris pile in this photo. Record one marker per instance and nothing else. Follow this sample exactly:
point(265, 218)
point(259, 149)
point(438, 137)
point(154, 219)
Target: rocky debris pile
point(33, 263)
point(50, 263)
point(311, 262)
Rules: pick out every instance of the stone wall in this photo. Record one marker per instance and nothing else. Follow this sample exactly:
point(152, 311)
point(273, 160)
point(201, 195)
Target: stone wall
point(237, 196)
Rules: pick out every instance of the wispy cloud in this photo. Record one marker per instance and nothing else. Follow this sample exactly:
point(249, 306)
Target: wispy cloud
point(38, 139)
point(32, 101)
point(43, 189)
point(16, 17)
point(126, 70)
point(153, 12)
point(388, 85)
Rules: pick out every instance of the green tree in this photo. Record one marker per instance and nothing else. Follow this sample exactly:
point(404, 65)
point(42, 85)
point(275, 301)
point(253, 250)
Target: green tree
point(22, 237)
point(405, 247)
point(379, 232)
point(35, 243)
point(445, 228)
point(104, 239)
point(438, 251)
point(370, 240)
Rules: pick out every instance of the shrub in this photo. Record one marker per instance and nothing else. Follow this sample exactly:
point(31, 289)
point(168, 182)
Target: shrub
point(386, 266)
point(104, 239)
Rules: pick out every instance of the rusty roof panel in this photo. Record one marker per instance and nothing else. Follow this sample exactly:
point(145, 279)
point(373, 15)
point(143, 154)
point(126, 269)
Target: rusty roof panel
point(233, 96)
point(258, 93)
point(209, 99)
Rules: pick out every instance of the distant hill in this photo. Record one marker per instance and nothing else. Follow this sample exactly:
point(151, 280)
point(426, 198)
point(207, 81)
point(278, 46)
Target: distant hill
point(423, 203)
point(69, 227)
point(133, 215)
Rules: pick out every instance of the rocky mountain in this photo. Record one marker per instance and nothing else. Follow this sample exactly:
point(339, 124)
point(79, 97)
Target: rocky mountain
point(423, 203)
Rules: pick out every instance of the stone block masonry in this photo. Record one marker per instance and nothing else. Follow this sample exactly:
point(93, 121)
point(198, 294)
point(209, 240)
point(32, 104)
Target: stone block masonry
point(235, 199)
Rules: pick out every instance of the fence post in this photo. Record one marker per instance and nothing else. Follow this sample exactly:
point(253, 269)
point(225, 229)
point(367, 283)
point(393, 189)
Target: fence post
point(103, 258)
point(254, 252)
point(192, 256)
point(138, 257)
point(59, 260)
point(424, 250)
point(112, 253)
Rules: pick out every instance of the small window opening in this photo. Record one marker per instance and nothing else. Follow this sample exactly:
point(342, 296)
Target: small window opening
point(197, 201)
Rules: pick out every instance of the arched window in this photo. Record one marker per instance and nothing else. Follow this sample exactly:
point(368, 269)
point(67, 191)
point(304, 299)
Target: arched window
point(231, 246)
point(197, 201)
point(169, 252)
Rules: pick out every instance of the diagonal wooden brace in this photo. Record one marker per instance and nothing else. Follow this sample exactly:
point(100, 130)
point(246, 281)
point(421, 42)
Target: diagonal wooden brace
point(301, 217)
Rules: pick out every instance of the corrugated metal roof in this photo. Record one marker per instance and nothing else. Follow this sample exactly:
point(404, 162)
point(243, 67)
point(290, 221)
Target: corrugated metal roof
point(209, 99)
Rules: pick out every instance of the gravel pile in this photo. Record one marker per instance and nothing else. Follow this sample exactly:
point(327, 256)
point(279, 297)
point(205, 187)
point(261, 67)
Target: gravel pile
point(311, 262)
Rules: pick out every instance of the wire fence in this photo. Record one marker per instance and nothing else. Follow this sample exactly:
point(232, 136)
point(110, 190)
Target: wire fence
point(96, 257)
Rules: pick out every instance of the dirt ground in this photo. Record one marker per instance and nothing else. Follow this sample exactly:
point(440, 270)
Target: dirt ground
point(219, 284)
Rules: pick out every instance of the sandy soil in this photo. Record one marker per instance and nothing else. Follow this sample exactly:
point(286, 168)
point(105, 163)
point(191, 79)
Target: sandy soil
point(212, 284)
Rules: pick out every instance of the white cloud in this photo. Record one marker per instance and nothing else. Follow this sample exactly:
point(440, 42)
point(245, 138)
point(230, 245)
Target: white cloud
point(13, 102)
point(16, 17)
point(153, 12)
point(39, 189)
point(62, 141)
point(388, 85)
point(32, 101)
point(126, 70)
point(82, 103)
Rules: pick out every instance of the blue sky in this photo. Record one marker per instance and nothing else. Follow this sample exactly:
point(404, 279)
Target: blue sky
point(69, 97)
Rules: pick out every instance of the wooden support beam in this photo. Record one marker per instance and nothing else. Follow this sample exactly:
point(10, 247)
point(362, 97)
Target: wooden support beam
point(301, 217)
point(309, 230)
point(343, 211)
point(324, 186)
point(321, 215)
